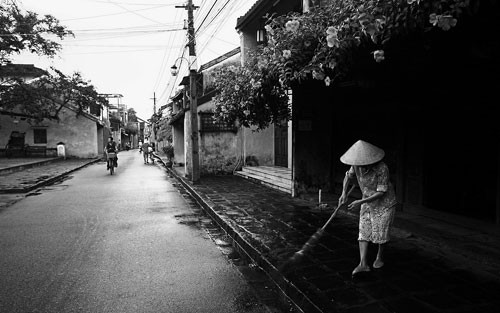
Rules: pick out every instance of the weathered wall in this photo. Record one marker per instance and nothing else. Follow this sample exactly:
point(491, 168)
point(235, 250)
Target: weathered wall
point(187, 146)
point(100, 140)
point(79, 134)
point(7, 125)
point(178, 142)
point(218, 152)
point(259, 146)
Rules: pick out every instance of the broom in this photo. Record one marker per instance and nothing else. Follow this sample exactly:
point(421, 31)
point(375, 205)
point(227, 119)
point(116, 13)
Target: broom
point(312, 242)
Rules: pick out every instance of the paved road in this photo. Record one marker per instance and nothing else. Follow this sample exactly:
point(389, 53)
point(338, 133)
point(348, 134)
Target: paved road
point(101, 243)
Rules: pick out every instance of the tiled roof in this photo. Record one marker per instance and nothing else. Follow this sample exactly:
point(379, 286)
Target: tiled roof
point(21, 70)
point(220, 59)
point(250, 14)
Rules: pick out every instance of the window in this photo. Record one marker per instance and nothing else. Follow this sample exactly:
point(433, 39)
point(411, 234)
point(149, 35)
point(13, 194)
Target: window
point(208, 124)
point(40, 135)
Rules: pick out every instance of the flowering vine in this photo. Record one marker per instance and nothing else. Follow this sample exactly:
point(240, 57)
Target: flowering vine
point(320, 43)
point(250, 95)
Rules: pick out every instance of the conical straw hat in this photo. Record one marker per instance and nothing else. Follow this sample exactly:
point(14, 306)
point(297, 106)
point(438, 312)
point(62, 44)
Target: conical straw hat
point(362, 153)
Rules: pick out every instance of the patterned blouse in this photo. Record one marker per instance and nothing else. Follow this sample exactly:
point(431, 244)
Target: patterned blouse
point(372, 180)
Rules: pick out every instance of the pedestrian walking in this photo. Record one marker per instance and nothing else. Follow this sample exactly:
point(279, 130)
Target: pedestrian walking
point(145, 151)
point(378, 202)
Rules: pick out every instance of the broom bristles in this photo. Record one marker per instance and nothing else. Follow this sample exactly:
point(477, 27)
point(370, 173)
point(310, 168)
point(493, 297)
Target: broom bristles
point(297, 256)
point(312, 241)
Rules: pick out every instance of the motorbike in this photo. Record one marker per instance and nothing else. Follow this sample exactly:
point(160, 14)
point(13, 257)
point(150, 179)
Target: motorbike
point(151, 156)
point(111, 162)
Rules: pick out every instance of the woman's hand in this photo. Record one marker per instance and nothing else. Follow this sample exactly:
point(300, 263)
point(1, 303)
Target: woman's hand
point(355, 204)
point(342, 199)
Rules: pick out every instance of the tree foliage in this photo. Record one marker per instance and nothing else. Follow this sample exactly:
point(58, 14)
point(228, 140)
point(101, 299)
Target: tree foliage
point(323, 44)
point(132, 115)
point(131, 128)
point(47, 95)
point(250, 95)
point(27, 31)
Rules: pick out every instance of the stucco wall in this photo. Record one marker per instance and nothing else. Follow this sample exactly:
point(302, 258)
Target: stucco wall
point(187, 146)
point(79, 134)
point(7, 126)
point(259, 146)
point(178, 142)
point(218, 152)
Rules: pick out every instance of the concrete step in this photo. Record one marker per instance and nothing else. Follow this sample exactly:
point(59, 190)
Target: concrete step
point(275, 182)
point(275, 173)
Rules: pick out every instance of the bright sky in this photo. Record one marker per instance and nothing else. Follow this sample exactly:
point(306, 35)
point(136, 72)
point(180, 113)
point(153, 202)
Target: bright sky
point(128, 46)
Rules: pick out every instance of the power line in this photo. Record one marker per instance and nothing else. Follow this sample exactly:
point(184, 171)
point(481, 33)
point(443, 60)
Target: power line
point(115, 51)
point(129, 3)
point(200, 30)
point(118, 46)
point(162, 66)
point(125, 28)
point(112, 14)
point(134, 12)
point(213, 5)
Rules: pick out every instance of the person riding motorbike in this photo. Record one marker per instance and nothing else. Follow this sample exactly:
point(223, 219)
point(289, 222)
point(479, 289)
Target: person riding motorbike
point(111, 147)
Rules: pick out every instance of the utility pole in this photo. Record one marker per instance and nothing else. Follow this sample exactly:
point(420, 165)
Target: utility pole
point(193, 168)
point(154, 102)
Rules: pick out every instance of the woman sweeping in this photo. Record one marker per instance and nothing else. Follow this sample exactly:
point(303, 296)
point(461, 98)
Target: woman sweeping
point(377, 203)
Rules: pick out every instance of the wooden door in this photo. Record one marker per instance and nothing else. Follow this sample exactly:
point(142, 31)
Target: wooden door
point(281, 145)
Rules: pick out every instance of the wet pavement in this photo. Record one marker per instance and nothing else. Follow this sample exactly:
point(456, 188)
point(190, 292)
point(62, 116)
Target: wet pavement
point(424, 271)
point(24, 175)
point(131, 242)
point(432, 264)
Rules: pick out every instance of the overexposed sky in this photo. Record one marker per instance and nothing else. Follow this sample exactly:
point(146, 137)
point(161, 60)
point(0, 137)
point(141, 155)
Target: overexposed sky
point(128, 46)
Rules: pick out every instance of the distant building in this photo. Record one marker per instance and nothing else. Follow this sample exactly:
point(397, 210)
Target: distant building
point(82, 134)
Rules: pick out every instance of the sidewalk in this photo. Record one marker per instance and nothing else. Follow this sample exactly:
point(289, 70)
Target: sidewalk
point(24, 175)
point(431, 265)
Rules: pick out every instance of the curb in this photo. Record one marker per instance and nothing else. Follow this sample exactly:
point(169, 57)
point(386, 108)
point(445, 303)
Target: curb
point(16, 168)
point(48, 180)
point(289, 291)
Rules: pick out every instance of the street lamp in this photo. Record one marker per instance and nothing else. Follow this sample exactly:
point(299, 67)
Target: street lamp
point(174, 70)
point(193, 160)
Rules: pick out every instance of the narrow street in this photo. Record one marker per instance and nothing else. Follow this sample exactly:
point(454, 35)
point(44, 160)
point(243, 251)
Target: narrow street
point(101, 243)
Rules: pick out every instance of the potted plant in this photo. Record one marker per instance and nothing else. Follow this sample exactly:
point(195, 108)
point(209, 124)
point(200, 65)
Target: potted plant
point(169, 152)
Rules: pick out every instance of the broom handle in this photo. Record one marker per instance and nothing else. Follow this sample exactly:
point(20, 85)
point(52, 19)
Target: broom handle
point(336, 210)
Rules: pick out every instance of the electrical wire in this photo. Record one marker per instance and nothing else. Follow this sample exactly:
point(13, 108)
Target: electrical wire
point(113, 14)
point(206, 16)
point(163, 62)
point(116, 51)
point(134, 12)
point(200, 30)
point(129, 3)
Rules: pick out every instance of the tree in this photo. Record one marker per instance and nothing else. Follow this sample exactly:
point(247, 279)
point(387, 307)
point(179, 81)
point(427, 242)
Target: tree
point(23, 31)
point(132, 115)
point(251, 95)
point(47, 95)
point(131, 128)
point(331, 43)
